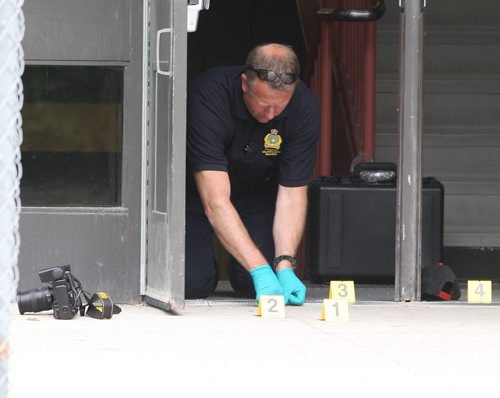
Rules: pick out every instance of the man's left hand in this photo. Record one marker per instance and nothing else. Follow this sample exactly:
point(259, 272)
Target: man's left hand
point(294, 289)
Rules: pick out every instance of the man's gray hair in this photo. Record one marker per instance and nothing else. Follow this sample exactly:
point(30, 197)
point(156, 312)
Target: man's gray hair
point(279, 58)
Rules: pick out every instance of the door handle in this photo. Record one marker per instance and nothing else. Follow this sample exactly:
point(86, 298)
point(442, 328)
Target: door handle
point(158, 65)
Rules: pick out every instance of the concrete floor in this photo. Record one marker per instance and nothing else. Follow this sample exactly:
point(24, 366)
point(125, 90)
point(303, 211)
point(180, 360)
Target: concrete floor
point(220, 348)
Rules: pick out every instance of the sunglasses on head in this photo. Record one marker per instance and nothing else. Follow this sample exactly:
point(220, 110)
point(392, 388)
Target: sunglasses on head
point(271, 76)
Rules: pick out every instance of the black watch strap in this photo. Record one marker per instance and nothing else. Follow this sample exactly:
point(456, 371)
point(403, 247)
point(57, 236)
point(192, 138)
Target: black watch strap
point(286, 257)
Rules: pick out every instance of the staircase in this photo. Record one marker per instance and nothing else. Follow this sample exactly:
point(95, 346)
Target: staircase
point(461, 113)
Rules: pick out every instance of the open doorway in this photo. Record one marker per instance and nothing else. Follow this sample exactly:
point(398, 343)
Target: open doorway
point(228, 31)
point(225, 35)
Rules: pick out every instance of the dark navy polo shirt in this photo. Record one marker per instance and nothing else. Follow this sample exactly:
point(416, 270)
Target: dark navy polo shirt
point(223, 135)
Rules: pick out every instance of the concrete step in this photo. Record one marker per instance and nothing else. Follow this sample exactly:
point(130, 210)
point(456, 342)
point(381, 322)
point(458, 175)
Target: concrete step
point(448, 52)
point(457, 105)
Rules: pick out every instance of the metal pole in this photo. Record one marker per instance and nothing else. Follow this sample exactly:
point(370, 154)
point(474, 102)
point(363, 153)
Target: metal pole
point(370, 48)
point(325, 159)
point(409, 204)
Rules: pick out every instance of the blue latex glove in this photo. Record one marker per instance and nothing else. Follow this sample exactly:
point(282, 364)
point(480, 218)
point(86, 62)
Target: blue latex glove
point(265, 281)
point(295, 291)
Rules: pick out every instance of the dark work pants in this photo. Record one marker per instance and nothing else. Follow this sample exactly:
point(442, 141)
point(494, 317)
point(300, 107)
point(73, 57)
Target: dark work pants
point(256, 210)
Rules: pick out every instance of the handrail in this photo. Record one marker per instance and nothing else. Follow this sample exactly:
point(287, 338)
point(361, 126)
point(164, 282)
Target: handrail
point(354, 14)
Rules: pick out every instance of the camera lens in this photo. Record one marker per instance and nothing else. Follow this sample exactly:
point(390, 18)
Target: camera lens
point(35, 300)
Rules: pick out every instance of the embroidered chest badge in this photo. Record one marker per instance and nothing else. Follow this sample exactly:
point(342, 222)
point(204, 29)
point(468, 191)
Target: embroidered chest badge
point(272, 143)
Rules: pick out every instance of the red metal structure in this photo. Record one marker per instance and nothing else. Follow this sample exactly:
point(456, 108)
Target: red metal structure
point(343, 80)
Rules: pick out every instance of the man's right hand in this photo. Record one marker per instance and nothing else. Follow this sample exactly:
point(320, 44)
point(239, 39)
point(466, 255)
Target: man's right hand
point(265, 281)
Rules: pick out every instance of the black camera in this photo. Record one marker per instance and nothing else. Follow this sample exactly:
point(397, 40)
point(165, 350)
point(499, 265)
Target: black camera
point(64, 295)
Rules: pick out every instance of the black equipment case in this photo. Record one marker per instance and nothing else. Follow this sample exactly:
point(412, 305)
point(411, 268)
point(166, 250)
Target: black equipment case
point(352, 226)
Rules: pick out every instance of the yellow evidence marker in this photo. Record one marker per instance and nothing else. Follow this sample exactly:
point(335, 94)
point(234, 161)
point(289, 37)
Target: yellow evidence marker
point(335, 311)
point(271, 306)
point(342, 291)
point(479, 292)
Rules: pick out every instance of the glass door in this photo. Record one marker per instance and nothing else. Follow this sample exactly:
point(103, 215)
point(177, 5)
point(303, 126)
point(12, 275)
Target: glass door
point(81, 152)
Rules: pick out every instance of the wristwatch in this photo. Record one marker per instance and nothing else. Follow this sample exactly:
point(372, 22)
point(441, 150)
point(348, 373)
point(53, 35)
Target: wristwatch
point(286, 257)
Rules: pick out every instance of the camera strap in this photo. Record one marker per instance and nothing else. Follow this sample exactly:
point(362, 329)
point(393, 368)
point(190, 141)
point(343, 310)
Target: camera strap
point(100, 306)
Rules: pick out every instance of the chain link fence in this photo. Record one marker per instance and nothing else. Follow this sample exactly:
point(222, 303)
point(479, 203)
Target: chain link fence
point(11, 100)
